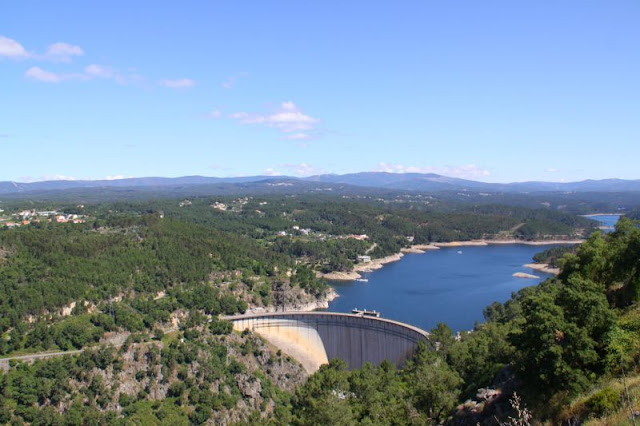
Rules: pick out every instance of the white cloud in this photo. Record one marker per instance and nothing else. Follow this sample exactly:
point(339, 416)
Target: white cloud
point(90, 72)
point(57, 52)
point(63, 52)
point(181, 83)
point(10, 48)
point(242, 116)
point(300, 170)
point(28, 179)
point(551, 170)
point(108, 73)
point(467, 171)
point(43, 178)
point(271, 172)
point(216, 113)
point(100, 71)
point(287, 118)
point(37, 73)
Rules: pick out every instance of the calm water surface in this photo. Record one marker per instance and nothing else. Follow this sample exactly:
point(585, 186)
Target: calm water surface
point(444, 285)
point(451, 285)
point(606, 221)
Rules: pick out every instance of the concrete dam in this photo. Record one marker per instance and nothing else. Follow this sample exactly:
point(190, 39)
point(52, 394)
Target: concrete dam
point(313, 338)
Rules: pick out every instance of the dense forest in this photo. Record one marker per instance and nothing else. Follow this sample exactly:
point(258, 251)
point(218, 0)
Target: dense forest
point(128, 273)
point(563, 348)
point(389, 225)
point(140, 286)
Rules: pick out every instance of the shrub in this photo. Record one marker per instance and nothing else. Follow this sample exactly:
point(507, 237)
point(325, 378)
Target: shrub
point(604, 401)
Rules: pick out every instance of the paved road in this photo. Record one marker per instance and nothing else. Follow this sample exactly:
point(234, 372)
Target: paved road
point(4, 362)
point(115, 339)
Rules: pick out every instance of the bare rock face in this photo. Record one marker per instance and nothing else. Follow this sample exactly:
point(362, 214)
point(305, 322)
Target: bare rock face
point(249, 386)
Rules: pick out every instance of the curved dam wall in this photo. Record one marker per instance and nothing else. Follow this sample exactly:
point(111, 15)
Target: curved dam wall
point(313, 338)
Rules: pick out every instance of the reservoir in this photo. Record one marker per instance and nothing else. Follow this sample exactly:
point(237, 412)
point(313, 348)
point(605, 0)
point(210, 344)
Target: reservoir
point(451, 285)
point(606, 221)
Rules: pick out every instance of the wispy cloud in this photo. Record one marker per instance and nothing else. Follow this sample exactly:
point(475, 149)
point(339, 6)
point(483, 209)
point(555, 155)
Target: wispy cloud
point(287, 118)
point(9, 48)
point(300, 170)
point(551, 170)
point(56, 52)
point(100, 71)
point(467, 171)
point(108, 73)
point(63, 52)
point(271, 172)
point(116, 177)
point(38, 74)
point(181, 83)
point(44, 178)
point(90, 72)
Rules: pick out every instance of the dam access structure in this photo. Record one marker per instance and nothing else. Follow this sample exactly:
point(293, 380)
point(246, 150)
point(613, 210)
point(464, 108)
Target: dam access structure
point(314, 338)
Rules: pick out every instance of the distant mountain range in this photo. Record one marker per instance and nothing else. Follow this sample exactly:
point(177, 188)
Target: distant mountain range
point(374, 180)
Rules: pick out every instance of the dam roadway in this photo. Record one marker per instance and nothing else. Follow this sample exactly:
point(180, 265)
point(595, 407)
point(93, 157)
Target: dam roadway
point(314, 338)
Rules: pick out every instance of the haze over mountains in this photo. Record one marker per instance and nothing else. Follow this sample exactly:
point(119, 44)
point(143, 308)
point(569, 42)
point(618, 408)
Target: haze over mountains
point(379, 180)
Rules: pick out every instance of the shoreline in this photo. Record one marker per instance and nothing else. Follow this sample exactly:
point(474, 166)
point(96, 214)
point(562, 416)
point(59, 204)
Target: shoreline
point(506, 242)
point(602, 214)
point(419, 248)
point(376, 264)
point(355, 274)
point(542, 267)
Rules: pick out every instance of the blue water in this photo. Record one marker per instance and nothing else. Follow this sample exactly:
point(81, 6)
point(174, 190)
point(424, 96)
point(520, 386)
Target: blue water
point(441, 285)
point(606, 221)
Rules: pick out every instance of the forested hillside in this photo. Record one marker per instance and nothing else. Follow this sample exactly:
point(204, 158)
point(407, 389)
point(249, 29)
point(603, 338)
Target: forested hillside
point(145, 282)
point(564, 347)
point(132, 266)
point(309, 221)
point(62, 285)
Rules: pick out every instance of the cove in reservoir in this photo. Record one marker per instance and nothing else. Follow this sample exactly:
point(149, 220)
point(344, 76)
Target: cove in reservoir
point(605, 221)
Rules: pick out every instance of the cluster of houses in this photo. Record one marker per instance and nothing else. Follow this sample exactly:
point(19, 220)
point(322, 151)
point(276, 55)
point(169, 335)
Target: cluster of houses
point(219, 206)
point(307, 231)
point(235, 205)
point(27, 217)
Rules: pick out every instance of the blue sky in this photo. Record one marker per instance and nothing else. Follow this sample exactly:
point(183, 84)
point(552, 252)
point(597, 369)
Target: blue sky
point(493, 91)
